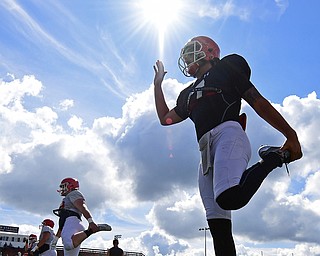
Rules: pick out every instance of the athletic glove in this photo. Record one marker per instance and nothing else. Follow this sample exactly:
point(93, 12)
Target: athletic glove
point(35, 248)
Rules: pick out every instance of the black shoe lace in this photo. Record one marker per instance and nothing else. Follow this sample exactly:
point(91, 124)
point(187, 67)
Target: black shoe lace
point(286, 165)
point(286, 158)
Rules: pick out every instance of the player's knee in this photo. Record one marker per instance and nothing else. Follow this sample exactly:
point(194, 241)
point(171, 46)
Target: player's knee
point(230, 199)
point(68, 245)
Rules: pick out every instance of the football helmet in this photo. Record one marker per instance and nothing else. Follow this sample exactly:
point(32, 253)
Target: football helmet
point(32, 237)
point(48, 222)
point(196, 49)
point(67, 185)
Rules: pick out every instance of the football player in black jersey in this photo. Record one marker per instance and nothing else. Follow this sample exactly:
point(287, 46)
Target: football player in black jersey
point(213, 103)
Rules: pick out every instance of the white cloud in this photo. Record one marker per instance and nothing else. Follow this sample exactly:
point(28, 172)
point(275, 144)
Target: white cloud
point(223, 10)
point(243, 10)
point(5, 161)
point(66, 104)
point(75, 123)
point(282, 4)
point(312, 184)
point(12, 92)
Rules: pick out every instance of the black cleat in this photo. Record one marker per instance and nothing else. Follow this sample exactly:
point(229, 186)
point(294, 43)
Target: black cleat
point(284, 156)
point(104, 227)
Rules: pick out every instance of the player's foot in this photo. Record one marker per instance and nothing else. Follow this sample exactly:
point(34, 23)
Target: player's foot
point(104, 227)
point(283, 156)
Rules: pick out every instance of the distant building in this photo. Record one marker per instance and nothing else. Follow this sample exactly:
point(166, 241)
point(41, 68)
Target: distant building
point(96, 252)
point(12, 244)
point(9, 237)
point(10, 251)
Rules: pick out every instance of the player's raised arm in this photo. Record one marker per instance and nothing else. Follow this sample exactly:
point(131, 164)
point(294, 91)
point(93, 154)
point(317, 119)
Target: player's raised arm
point(166, 116)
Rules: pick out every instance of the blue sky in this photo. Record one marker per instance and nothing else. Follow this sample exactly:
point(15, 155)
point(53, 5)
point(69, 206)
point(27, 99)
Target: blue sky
point(76, 99)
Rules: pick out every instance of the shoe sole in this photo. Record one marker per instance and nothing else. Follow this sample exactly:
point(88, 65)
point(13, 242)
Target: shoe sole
point(104, 227)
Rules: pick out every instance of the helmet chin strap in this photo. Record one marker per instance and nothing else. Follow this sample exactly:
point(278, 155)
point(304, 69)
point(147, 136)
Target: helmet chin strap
point(195, 74)
point(202, 68)
point(193, 69)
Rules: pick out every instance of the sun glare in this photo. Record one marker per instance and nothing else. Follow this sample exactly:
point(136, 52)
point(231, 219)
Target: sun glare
point(161, 14)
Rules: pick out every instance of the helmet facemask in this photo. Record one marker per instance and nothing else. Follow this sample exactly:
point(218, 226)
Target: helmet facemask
point(63, 188)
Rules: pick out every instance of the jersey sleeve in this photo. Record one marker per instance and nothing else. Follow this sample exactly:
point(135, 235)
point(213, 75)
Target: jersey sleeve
point(181, 107)
point(75, 195)
point(241, 72)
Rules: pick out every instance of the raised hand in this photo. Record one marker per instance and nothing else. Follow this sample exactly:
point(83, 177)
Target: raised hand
point(159, 73)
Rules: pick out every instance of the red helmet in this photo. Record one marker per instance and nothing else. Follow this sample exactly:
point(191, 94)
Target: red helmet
point(48, 222)
point(32, 237)
point(196, 49)
point(67, 185)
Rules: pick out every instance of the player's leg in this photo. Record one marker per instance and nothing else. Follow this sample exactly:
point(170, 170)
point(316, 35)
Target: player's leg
point(71, 252)
point(49, 252)
point(219, 220)
point(237, 196)
point(80, 236)
point(221, 231)
point(231, 157)
point(72, 226)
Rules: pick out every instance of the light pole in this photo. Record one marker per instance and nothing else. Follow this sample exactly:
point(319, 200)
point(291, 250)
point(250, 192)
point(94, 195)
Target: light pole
point(205, 239)
point(117, 237)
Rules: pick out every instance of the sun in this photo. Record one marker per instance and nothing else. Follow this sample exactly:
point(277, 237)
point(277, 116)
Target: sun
point(162, 15)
